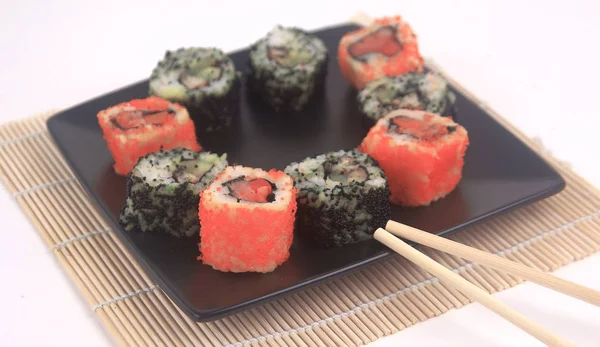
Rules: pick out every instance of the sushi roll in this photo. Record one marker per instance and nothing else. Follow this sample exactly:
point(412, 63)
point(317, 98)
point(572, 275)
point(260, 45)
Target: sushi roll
point(421, 153)
point(343, 197)
point(142, 126)
point(247, 217)
point(202, 79)
point(417, 91)
point(387, 47)
point(163, 191)
point(287, 68)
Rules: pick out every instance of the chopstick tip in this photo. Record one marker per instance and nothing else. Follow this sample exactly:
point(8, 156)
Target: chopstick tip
point(379, 231)
point(391, 223)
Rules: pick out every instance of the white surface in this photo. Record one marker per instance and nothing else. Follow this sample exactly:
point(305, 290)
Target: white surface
point(534, 62)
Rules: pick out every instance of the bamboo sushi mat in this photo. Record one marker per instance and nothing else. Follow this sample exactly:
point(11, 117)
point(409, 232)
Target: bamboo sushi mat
point(354, 310)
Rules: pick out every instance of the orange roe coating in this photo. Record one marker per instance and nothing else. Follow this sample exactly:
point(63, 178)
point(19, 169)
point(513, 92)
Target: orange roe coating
point(243, 237)
point(393, 38)
point(129, 135)
point(422, 170)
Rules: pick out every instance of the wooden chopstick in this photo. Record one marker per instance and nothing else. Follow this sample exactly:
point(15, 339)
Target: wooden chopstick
point(470, 290)
point(495, 262)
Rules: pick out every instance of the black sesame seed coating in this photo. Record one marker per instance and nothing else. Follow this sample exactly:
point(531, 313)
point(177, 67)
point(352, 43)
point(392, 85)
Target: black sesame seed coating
point(286, 88)
point(334, 225)
point(217, 112)
point(212, 106)
point(283, 97)
point(343, 213)
point(157, 210)
point(380, 97)
point(171, 207)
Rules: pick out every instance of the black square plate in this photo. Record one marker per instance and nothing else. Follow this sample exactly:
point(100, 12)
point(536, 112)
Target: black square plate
point(500, 173)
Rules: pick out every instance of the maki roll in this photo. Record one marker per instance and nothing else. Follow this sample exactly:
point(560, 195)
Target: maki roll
point(163, 191)
point(343, 196)
point(387, 47)
point(417, 91)
point(247, 217)
point(202, 79)
point(287, 67)
point(142, 126)
point(421, 153)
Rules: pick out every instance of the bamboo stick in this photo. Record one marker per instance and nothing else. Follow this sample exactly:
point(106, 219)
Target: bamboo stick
point(469, 289)
point(495, 262)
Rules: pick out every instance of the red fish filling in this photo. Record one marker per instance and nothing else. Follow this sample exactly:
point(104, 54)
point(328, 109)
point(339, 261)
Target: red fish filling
point(382, 41)
point(126, 120)
point(256, 190)
point(419, 129)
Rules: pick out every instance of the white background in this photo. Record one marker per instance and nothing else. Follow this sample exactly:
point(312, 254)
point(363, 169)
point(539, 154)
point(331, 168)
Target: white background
point(533, 61)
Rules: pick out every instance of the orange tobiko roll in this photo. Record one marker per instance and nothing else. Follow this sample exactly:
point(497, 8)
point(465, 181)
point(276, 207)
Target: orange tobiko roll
point(247, 220)
point(421, 154)
point(142, 126)
point(387, 47)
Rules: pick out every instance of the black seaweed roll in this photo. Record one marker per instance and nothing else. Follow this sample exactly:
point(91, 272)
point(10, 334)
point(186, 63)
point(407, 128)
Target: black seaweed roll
point(204, 80)
point(343, 197)
point(414, 91)
point(163, 191)
point(287, 68)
